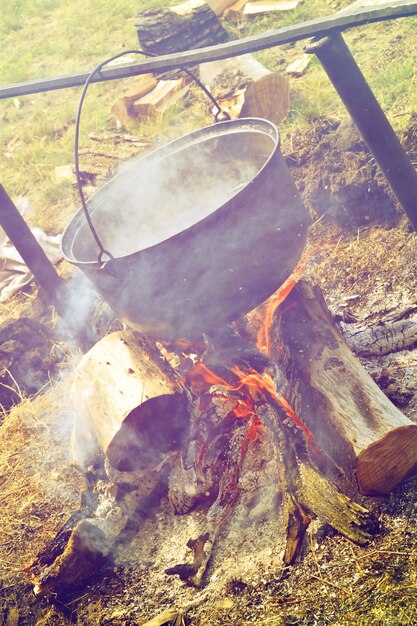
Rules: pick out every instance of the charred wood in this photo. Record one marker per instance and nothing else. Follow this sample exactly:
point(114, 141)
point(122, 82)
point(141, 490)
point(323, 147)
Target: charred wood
point(383, 338)
point(308, 493)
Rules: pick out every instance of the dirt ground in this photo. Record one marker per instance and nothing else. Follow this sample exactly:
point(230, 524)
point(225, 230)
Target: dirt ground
point(361, 250)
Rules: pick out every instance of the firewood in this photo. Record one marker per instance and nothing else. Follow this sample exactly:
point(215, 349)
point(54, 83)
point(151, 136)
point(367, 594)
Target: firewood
point(383, 338)
point(219, 6)
point(193, 25)
point(191, 573)
point(350, 418)
point(244, 88)
point(164, 95)
point(307, 492)
point(122, 109)
point(266, 6)
point(129, 403)
point(235, 11)
point(299, 66)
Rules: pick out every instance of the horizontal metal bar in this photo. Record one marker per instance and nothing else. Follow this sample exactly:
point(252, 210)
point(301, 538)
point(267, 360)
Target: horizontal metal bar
point(312, 28)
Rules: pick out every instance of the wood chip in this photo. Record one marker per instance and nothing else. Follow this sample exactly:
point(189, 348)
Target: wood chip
point(166, 94)
point(186, 8)
point(298, 67)
point(265, 6)
point(220, 6)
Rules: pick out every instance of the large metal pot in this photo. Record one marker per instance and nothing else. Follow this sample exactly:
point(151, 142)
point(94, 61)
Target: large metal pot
point(201, 231)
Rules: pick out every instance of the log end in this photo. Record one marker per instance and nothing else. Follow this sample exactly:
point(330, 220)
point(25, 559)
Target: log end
point(384, 464)
point(267, 97)
point(150, 431)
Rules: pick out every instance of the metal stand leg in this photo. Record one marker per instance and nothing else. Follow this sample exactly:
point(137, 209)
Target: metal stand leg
point(31, 252)
point(350, 84)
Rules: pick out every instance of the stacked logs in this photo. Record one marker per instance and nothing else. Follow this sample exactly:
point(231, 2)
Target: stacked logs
point(193, 425)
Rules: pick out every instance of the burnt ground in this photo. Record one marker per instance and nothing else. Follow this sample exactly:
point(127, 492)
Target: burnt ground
point(362, 252)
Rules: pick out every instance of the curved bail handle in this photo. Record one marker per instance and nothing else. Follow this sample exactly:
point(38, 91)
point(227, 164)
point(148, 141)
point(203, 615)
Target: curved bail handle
point(220, 115)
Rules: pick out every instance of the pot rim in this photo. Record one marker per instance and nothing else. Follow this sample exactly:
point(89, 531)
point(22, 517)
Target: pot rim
point(160, 153)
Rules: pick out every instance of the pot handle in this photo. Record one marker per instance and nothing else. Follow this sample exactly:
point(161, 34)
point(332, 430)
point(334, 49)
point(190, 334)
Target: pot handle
point(219, 116)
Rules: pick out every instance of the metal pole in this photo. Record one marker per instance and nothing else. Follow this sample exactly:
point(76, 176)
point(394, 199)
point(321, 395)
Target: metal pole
point(320, 26)
point(350, 84)
point(31, 252)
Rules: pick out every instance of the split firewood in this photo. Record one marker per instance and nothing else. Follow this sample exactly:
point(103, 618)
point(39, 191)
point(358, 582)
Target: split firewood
point(244, 88)
point(129, 404)
point(219, 6)
point(122, 109)
point(162, 97)
point(234, 11)
point(242, 8)
point(347, 414)
point(298, 67)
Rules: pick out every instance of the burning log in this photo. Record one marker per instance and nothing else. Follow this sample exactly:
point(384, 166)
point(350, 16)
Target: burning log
point(285, 430)
point(350, 418)
point(129, 403)
point(308, 492)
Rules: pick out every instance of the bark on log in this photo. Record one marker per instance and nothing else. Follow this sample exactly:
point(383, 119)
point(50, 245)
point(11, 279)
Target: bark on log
point(307, 493)
point(175, 29)
point(129, 401)
point(350, 418)
point(246, 88)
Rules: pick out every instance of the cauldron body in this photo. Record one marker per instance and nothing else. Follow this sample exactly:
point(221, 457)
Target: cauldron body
point(201, 231)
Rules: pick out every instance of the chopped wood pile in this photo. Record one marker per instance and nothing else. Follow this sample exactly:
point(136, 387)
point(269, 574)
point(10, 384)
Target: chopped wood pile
point(242, 85)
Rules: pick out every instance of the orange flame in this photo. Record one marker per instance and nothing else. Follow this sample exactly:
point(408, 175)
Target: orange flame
point(258, 384)
point(251, 385)
point(263, 339)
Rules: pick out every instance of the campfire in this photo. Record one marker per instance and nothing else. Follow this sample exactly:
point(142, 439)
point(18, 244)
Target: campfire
point(202, 457)
point(213, 435)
